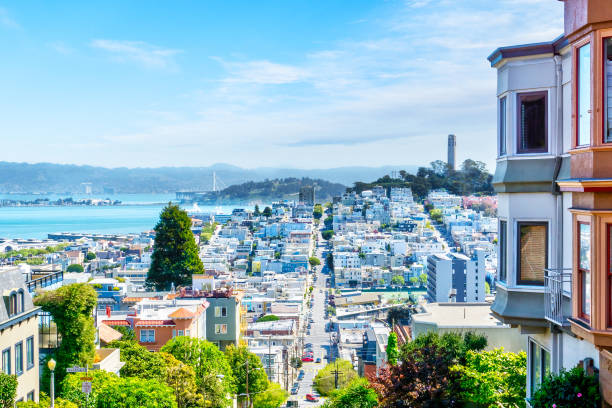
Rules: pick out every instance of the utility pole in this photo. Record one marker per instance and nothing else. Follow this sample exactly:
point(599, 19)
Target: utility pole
point(269, 356)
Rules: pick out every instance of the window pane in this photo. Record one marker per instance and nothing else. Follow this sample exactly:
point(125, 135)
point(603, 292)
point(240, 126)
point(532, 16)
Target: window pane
point(536, 372)
point(584, 231)
point(502, 126)
point(585, 246)
point(584, 95)
point(532, 123)
point(533, 250)
point(608, 90)
point(501, 259)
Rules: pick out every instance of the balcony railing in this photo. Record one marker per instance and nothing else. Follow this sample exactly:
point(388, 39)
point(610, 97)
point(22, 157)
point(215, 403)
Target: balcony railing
point(557, 302)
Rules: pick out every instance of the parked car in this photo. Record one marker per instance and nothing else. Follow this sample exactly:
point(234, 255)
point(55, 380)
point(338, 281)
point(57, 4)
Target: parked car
point(311, 398)
point(318, 360)
point(307, 359)
point(294, 391)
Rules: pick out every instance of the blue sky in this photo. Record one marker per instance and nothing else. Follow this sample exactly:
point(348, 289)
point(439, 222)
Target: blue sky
point(308, 84)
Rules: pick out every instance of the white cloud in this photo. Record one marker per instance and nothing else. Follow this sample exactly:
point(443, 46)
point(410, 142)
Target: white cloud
point(262, 72)
point(61, 48)
point(147, 55)
point(7, 21)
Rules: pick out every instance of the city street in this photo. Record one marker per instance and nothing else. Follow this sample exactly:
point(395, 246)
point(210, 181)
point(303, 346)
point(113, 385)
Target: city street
point(318, 337)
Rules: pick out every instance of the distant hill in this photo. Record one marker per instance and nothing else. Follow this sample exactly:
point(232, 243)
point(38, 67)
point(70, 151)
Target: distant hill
point(66, 178)
point(270, 190)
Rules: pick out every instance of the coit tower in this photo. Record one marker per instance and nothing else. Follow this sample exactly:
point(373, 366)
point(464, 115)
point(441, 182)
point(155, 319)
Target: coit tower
point(452, 143)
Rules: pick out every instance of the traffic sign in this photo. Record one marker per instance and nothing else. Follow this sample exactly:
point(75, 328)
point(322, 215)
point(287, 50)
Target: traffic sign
point(86, 378)
point(86, 387)
point(76, 369)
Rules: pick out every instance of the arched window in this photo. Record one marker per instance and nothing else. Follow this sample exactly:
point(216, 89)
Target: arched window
point(13, 304)
point(20, 301)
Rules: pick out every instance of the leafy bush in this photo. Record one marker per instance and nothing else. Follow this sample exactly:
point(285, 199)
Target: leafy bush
point(8, 390)
point(268, 318)
point(75, 268)
point(325, 380)
point(568, 389)
point(493, 378)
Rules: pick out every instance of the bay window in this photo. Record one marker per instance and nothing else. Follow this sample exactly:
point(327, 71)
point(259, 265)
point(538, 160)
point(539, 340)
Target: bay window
point(532, 252)
point(532, 122)
point(584, 269)
point(583, 89)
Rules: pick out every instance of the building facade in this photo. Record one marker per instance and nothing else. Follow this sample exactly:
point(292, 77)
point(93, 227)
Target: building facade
point(554, 179)
point(19, 334)
point(456, 278)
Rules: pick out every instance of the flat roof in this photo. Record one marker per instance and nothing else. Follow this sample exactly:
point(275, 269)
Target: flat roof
point(513, 51)
point(458, 315)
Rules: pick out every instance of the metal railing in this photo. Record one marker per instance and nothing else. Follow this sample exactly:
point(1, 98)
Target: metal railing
point(558, 290)
point(45, 281)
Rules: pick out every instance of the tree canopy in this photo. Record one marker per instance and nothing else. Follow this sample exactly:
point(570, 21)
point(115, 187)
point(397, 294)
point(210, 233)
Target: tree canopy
point(258, 380)
point(392, 351)
point(8, 390)
point(75, 268)
point(273, 397)
point(493, 378)
point(471, 178)
point(325, 380)
point(175, 255)
point(357, 394)
point(214, 376)
point(72, 308)
point(314, 261)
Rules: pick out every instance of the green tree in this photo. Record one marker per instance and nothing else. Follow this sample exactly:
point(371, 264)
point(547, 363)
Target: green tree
point(314, 261)
point(487, 288)
point(423, 279)
point(268, 318)
point(267, 212)
point(75, 268)
point(329, 222)
point(258, 380)
point(273, 397)
point(140, 362)
point(72, 308)
point(493, 378)
point(90, 256)
point(317, 212)
point(329, 260)
point(8, 390)
point(392, 351)
point(414, 280)
point(398, 280)
point(111, 391)
point(214, 376)
point(325, 380)
point(257, 212)
point(175, 253)
point(453, 345)
point(357, 394)
point(381, 281)
point(327, 234)
point(181, 378)
point(127, 333)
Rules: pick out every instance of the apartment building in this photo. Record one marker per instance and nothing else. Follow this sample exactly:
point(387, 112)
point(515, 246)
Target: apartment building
point(554, 181)
point(19, 334)
point(456, 278)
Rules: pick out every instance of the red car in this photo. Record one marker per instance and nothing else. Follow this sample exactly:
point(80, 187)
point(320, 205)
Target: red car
point(311, 398)
point(307, 359)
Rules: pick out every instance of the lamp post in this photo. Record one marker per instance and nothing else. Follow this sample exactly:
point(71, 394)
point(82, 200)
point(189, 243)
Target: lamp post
point(51, 364)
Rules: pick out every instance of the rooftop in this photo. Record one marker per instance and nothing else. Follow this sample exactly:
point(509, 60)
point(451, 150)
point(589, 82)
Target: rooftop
point(457, 315)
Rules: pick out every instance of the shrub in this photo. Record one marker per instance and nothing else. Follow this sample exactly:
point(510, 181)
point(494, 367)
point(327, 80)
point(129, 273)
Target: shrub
point(568, 389)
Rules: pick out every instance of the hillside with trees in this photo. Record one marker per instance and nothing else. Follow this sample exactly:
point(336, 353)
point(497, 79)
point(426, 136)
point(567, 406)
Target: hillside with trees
point(276, 189)
point(471, 178)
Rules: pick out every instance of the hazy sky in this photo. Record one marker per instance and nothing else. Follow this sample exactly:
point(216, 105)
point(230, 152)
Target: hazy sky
point(310, 84)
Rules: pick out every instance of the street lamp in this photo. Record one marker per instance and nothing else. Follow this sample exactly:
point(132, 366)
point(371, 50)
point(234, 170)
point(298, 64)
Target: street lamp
point(51, 364)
